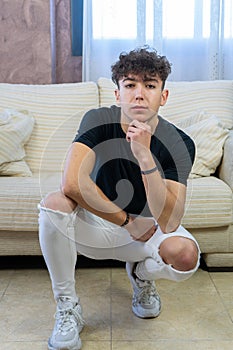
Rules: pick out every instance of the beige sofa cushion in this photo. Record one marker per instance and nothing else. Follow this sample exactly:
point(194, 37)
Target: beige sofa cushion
point(15, 130)
point(52, 106)
point(19, 198)
point(208, 203)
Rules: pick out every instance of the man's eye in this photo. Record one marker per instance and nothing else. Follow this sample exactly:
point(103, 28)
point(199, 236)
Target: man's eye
point(151, 86)
point(129, 86)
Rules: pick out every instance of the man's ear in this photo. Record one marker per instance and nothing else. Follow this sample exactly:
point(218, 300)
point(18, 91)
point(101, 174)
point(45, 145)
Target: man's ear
point(117, 95)
point(164, 97)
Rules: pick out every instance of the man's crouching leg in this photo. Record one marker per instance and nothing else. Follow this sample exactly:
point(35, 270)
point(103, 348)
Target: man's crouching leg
point(176, 257)
point(57, 240)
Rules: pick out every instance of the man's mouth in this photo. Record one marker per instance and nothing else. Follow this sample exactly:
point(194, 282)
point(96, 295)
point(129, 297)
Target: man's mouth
point(137, 107)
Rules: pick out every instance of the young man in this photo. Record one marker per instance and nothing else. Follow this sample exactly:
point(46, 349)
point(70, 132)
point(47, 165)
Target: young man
point(122, 196)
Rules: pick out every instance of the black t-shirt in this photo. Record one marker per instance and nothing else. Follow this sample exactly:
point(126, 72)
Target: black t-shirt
point(116, 170)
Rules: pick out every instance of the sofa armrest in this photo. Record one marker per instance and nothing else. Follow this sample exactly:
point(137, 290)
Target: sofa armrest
point(226, 167)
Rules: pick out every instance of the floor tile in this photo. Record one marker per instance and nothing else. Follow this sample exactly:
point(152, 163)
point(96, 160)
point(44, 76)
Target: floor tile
point(23, 346)
point(93, 288)
point(5, 278)
point(25, 318)
point(96, 345)
point(173, 345)
point(223, 283)
point(30, 282)
point(200, 282)
point(192, 311)
point(196, 314)
point(222, 280)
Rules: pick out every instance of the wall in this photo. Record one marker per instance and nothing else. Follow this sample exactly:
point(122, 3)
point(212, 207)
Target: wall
point(69, 68)
point(25, 43)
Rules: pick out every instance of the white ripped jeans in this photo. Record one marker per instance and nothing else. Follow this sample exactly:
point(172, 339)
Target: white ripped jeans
point(62, 235)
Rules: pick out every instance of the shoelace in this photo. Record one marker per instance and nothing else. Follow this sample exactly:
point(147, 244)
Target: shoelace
point(147, 294)
point(68, 318)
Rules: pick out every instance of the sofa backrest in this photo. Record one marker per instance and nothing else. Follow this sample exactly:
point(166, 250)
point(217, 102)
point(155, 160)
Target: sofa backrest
point(57, 110)
point(186, 99)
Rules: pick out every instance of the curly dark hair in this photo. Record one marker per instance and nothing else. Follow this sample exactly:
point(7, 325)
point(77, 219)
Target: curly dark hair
point(141, 61)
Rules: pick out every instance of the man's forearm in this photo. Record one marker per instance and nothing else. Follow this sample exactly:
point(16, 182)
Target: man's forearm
point(163, 204)
point(89, 196)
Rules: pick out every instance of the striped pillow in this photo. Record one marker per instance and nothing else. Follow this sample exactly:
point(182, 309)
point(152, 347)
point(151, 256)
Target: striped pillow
point(209, 136)
point(15, 130)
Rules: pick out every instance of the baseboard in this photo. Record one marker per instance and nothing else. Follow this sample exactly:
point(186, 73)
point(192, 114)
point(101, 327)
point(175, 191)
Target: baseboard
point(207, 268)
point(37, 262)
point(220, 269)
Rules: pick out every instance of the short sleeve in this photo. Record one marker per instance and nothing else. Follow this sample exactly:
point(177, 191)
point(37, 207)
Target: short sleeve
point(174, 151)
point(90, 130)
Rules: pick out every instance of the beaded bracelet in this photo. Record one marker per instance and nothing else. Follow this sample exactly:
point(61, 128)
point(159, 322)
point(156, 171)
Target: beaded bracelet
point(145, 172)
point(126, 220)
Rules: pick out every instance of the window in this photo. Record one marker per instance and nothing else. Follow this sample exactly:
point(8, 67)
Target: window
point(180, 19)
point(195, 35)
point(106, 17)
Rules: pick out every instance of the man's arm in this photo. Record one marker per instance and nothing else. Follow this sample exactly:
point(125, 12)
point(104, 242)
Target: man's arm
point(78, 185)
point(166, 198)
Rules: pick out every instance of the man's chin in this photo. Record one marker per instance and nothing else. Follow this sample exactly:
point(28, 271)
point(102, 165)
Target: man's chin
point(141, 117)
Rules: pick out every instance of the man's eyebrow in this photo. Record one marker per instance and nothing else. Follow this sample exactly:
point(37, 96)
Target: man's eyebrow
point(145, 79)
point(128, 78)
point(150, 79)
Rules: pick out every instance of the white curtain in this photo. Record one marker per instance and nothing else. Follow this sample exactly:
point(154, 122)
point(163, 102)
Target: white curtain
point(195, 35)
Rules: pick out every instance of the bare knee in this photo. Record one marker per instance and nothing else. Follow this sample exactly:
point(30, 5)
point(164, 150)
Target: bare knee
point(58, 201)
point(180, 252)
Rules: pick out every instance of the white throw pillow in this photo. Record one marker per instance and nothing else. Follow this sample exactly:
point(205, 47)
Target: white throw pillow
point(209, 136)
point(15, 130)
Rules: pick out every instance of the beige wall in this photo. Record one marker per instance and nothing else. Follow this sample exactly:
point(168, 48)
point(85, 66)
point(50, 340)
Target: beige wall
point(25, 43)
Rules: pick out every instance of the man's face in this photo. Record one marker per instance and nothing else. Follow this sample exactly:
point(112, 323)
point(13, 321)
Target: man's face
point(140, 97)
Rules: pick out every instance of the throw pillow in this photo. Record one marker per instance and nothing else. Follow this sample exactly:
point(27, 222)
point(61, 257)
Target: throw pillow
point(209, 136)
point(15, 130)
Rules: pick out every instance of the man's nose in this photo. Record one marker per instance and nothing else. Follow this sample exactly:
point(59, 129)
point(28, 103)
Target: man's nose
point(139, 92)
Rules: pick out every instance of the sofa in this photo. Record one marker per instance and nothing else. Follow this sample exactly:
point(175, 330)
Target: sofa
point(39, 122)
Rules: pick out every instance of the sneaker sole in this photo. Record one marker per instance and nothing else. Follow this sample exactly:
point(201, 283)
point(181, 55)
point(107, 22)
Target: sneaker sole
point(146, 314)
point(75, 347)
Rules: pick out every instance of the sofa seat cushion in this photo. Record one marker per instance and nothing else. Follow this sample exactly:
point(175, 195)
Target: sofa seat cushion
point(208, 203)
point(19, 198)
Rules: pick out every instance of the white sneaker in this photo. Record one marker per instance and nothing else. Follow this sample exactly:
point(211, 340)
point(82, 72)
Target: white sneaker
point(146, 301)
point(68, 325)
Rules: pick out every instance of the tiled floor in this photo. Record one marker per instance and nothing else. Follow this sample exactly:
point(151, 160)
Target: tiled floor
point(196, 314)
